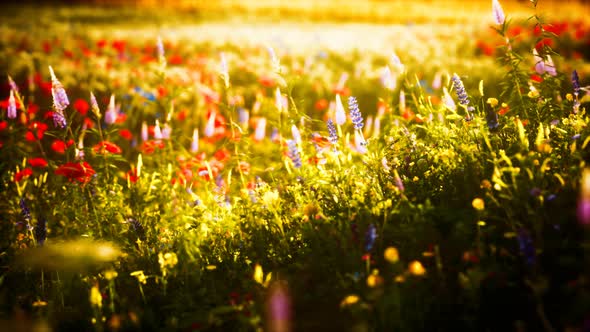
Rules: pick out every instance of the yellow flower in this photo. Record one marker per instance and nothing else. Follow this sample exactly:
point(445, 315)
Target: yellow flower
point(374, 280)
point(391, 255)
point(569, 97)
point(400, 278)
point(95, 297)
point(534, 93)
point(110, 274)
point(39, 303)
point(492, 102)
point(140, 276)
point(478, 204)
point(349, 300)
point(167, 260)
point(416, 268)
point(258, 274)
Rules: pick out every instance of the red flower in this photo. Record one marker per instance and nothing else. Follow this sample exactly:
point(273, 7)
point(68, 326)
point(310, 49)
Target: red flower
point(149, 147)
point(108, 147)
point(101, 43)
point(175, 59)
point(132, 175)
point(81, 106)
point(76, 171)
point(126, 134)
point(59, 146)
point(38, 162)
point(36, 131)
point(222, 155)
point(3, 125)
point(536, 78)
point(23, 174)
point(321, 104)
point(119, 45)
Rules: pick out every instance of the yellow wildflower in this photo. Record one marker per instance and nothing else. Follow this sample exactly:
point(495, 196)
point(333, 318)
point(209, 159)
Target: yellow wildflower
point(416, 268)
point(391, 255)
point(349, 300)
point(140, 276)
point(492, 102)
point(95, 297)
point(478, 204)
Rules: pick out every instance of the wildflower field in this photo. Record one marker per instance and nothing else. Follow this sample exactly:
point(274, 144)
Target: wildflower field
point(220, 178)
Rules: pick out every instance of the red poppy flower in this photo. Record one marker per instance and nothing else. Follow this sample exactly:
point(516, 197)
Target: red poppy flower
point(536, 78)
point(148, 147)
point(175, 59)
point(132, 175)
point(59, 146)
point(76, 171)
point(3, 125)
point(38, 162)
point(81, 106)
point(126, 134)
point(36, 131)
point(222, 155)
point(23, 174)
point(101, 43)
point(321, 104)
point(108, 147)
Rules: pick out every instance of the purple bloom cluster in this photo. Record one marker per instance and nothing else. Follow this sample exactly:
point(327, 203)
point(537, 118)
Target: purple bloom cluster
point(355, 113)
point(576, 82)
point(24, 209)
point(462, 94)
point(333, 137)
point(294, 153)
point(370, 237)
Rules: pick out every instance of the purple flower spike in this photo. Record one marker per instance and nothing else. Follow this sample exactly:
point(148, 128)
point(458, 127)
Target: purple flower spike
point(355, 113)
point(60, 98)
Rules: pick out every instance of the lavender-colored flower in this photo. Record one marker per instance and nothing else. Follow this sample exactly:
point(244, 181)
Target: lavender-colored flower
point(550, 66)
point(576, 83)
point(40, 231)
point(462, 94)
point(166, 131)
point(24, 210)
point(498, 12)
point(279, 308)
point(94, 105)
point(370, 237)
point(144, 132)
point(195, 141)
point(11, 109)
point(296, 134)
point(157, 131)
point(355, 113)
point(340, 113)
point(60, 98)
point(59, 119)
point(333, 134)
point(492, 119)
point(526, 246)
point(260, 131)
point(137, 227)
point(111, 114)
point(160, 49)
point(12, 85)
point(539, 63)
point(243, 116)
point(294, 153)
